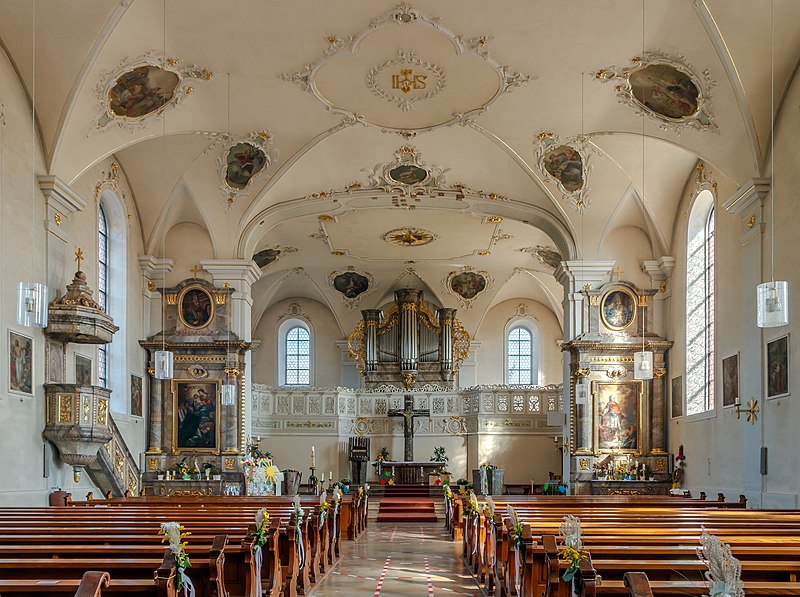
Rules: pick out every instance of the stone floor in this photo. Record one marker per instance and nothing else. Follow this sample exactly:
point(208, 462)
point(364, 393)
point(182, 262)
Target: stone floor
point(399, 559)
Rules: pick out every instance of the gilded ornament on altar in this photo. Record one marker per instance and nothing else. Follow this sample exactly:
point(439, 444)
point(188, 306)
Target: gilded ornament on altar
point(64, 408)
point(230, 464)
point(152, 464)
point(584, 464)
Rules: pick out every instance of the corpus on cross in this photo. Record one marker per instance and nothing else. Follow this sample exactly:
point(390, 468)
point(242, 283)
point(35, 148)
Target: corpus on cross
point(408, 413)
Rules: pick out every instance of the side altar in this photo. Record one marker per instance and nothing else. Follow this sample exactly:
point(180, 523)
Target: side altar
point(618, 406)
point(195, 438)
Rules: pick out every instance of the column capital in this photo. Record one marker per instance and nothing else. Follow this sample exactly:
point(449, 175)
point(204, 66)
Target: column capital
point(659, 270)
point(240, 273)
point(569, 273)
point(60, 195)
point(153, 268)
point(752, 191)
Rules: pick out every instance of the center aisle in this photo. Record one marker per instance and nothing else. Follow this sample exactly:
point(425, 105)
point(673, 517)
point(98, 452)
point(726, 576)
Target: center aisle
point(389, 560)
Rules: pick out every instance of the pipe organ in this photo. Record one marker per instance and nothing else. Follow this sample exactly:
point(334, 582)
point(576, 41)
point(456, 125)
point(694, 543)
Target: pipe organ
point(411, 343)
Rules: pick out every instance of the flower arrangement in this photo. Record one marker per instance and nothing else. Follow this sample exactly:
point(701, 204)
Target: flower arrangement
point(677, 474)
point(724, 571)
point(383, 455)
point(573, 551)
point(515, 521)
point(488, 508)
point(175, 533)
point(182, 469)
point(262, 525)
point(472, 508)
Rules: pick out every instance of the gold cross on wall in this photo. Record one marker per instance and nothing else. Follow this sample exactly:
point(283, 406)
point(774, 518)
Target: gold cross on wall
point(617, 271)
point(79, 257)
point(195, 269)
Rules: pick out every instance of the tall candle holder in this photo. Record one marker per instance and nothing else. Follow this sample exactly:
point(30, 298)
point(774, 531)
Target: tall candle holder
point(313, 481)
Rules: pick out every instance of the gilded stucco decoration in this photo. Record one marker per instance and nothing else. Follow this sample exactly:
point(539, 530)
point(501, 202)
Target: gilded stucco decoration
point(567, 164)
point(666, 88)
point(466, 284)
point(110, 179)
point(351, 285)
point(241, 161)
point(409, 237)
point(141, 89)
point(416, 80)
point(409, 180)
point(390, 81)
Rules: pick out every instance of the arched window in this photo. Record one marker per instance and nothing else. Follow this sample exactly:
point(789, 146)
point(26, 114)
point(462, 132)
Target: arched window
point(102, 291)
point(700, 306)
point(520, 368)
point(294, 354)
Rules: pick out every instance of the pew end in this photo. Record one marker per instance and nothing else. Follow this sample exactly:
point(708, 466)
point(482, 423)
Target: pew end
point(638, 583)
point(92, 584)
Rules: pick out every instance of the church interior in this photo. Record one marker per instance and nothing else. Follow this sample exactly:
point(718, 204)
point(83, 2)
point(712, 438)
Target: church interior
point(397, 250)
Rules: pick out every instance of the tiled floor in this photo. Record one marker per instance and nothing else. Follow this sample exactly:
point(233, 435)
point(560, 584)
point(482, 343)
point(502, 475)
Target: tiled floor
point(399, 559)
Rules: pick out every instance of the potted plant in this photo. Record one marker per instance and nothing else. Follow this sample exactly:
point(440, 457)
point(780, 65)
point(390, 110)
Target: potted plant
point(462, 483)
point(442, 475)
point(344, 484)
point(207, 468)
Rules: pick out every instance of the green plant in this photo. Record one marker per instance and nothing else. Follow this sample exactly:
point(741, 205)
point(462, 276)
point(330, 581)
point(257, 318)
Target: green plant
point(439, 455)
point(344, 482)
point(462, 481)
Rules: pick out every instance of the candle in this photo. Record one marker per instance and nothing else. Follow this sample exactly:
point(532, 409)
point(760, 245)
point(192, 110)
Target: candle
point(313, 458)
point(330, 476)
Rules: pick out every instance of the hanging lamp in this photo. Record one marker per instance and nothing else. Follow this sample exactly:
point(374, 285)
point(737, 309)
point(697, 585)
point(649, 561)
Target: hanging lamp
point(32, 296)
point(772, 297)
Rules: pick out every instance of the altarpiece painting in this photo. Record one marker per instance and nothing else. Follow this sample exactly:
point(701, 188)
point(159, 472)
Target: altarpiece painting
point(194, 416)
point(617, 408)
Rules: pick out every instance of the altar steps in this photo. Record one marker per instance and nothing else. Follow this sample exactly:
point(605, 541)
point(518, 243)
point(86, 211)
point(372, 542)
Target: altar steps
point(407, 509)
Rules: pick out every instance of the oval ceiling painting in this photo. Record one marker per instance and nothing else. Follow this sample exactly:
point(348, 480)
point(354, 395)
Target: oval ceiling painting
point(408, 174)
point(565, 164)
point(141, 91)
point(244, 161)
point(665, 90)
point(351, 284)
point(468, 285)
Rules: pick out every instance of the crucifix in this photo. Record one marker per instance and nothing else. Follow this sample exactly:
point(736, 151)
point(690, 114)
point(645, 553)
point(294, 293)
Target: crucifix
point(408, 413)
point(79, 257)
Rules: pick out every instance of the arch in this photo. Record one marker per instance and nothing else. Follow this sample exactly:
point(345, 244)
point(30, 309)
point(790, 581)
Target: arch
point(700, 305)
point(521, 346)
point(295, 353)
point(113, 212)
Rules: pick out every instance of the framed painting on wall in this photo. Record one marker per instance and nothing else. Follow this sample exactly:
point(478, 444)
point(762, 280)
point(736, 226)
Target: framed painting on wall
point(677, 396)
point(617, 416)
point(195, 307)
point(778, 367)
point(730, 380)
point(618, 309)
point(136, 395)
point(20, 363)
point(83, 370)
point(196, 404)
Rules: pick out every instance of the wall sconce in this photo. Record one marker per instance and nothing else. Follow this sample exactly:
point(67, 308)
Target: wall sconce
point(32, 304)
point(643, 365)
point(164, 363)
point(558, 442)
point(229, 387)
point(751, 411)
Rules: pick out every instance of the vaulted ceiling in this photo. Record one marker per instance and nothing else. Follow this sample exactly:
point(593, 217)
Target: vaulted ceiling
point(500, 80)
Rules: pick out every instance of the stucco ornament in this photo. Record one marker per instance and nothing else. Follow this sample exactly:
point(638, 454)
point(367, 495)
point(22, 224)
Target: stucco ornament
point(241, 161)
point(566, 164)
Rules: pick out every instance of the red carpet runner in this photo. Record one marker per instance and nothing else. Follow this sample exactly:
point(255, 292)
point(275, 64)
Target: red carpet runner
point(407, 503)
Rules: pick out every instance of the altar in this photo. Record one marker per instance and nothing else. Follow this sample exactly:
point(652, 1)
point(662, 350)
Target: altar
point(408, 473)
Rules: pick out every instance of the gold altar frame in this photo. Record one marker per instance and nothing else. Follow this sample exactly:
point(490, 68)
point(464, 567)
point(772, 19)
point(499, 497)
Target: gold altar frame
point(631, 393)
point(176, 386)
point(634, 308)
point(211, 302)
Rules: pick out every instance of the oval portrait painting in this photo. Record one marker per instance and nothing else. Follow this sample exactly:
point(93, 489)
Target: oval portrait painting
point(565, 164)
point(142, 91)
point(665, 90)
point(617, 309)
point(408, 174)
point(244, 161)
point(351, 284)
point(468, 285)
point(196, 307)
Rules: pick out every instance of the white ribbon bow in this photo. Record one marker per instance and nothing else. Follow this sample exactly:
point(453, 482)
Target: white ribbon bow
point(188, 587)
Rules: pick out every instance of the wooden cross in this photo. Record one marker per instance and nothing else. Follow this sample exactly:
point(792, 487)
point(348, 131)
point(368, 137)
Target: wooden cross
point(617, 271)
point(195, 269)
point(79, 257)
point(408, 413)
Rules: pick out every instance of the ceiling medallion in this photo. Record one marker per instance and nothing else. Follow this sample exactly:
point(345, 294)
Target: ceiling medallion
point(666, 88)
point(406, 80)
point(467, 284)
point(241, 161)
point(567, 164)
point(138, 90)
point(408, 176)
point(381, 77)
point(409, 237)
point(351, 285)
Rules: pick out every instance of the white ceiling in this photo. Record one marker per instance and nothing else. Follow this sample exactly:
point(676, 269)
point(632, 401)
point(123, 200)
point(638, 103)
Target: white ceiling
point(553, 48)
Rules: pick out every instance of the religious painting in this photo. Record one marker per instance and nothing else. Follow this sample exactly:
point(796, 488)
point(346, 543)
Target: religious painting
point(565, 164)
point(195, 427)
point(778, 367)
point(265, 257)
point(468, 285)
point(20, 363)
point(142, 91)
point(195, 307)
point(136, 396)
point(54, 361)
point(351, 284)
point(83, 370)
point(617, 411)
point(677, 397)
point(665, 90)
point(244, 161)
point(730, 380)
point(618, 308)
point(408, 174)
